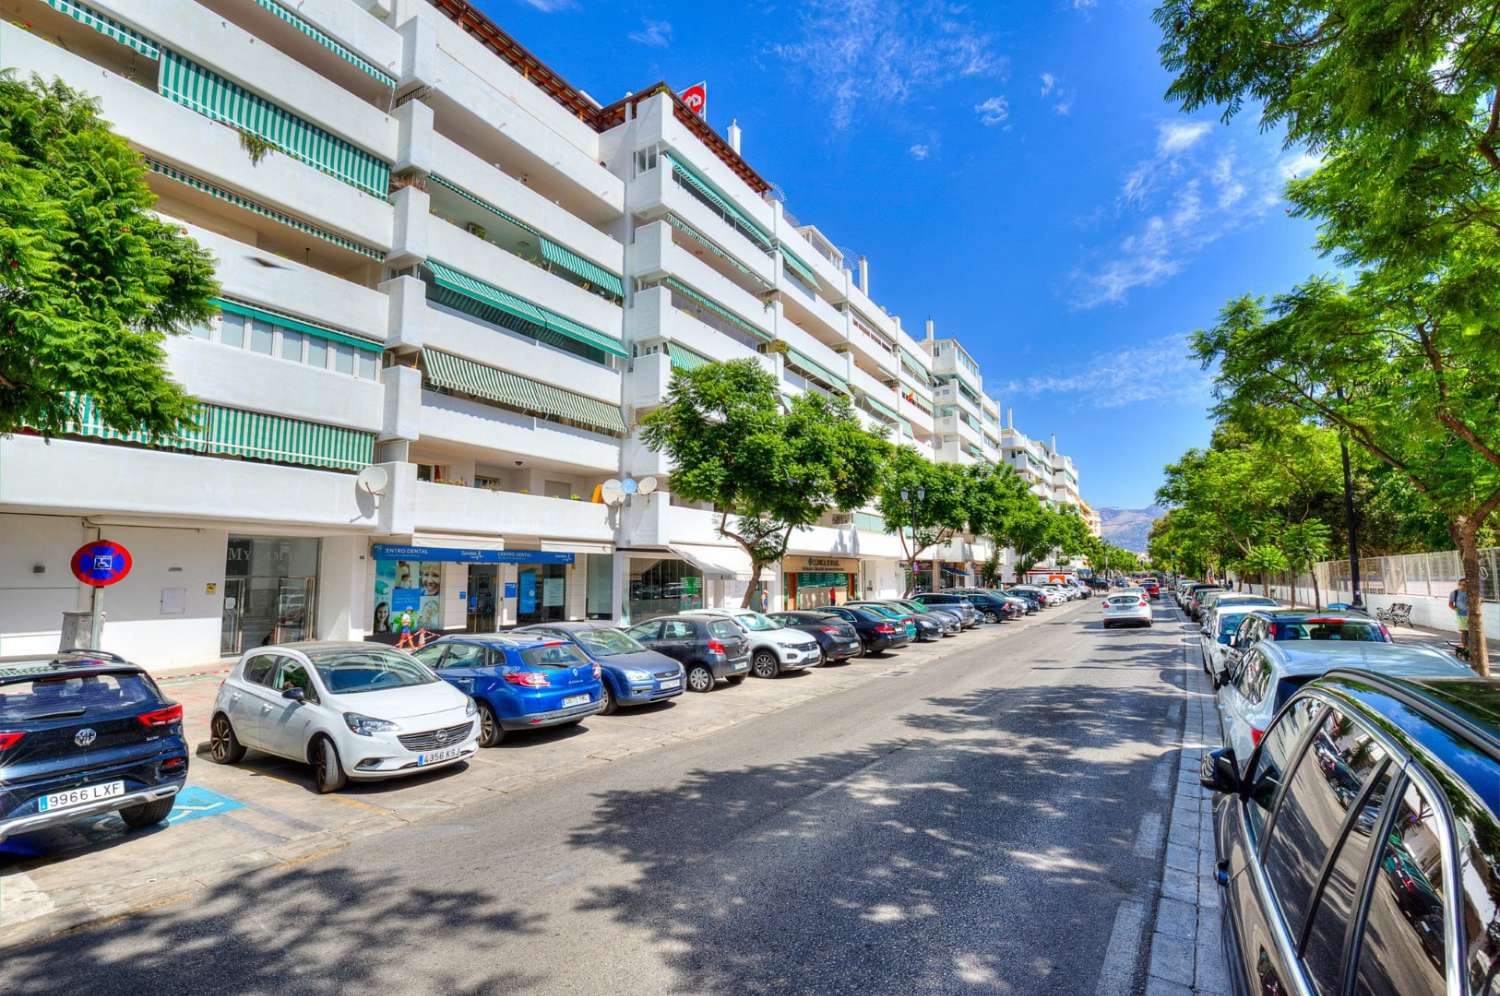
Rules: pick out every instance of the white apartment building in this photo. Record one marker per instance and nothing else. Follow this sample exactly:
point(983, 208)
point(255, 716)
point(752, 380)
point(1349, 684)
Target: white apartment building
point(456, 268)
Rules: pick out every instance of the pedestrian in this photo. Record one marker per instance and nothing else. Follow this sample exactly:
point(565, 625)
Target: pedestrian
point(1459, 603)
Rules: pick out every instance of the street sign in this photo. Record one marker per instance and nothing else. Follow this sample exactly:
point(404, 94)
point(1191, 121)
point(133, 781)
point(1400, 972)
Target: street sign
point(101, 563)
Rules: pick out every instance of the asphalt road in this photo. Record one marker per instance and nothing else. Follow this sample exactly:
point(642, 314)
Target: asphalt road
point(983, 822)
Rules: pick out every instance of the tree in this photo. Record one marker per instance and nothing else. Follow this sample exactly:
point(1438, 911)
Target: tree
point(766, 470)
point(1265, 560)
point(926, 503)
point(1305, 544)
point(91, 282)
point(998, 498)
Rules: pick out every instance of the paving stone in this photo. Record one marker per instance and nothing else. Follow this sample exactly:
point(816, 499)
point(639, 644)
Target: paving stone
point(1180, 885)
point(1172, 958)
point(1161, 987)
point(1183, 858)
point(1177, 918)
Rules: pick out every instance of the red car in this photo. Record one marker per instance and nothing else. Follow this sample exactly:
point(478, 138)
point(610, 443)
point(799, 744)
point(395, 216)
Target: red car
point(1153, 588)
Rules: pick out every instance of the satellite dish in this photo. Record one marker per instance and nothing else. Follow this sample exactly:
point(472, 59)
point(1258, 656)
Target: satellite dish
point(373, 480)
point(646, 485)
point(612, 493)
point(629, 485)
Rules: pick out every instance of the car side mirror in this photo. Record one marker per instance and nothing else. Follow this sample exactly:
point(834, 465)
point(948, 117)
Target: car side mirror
point(1218, 771)
point(294, 694)
point(1227, 639)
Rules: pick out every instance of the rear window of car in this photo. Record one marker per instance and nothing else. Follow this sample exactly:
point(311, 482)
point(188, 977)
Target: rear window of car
point(43, 698)
point(723, 629)
point(1124, 600)
point(1351, 630)
point(608, 642)
point(554, 655)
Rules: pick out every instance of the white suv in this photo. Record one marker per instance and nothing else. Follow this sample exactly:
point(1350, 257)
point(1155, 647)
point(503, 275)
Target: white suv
point(773, 649)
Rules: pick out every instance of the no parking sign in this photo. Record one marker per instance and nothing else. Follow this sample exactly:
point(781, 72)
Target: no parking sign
point(101, 563)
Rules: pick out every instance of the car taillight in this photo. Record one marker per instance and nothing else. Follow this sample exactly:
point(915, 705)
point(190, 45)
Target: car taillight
point(1385, 632)
point(527, 679)
point(1143, 601)
point(1255, 736)
point(9, 740)
point(715, 647)
point(831, 630)
point(886, 628)
point(161, 717)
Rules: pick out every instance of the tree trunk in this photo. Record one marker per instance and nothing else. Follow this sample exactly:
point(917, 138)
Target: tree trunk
point(1466, 529)
point(1265, 583)
point(755, 569)
point(1317, 595)
point(911, 577)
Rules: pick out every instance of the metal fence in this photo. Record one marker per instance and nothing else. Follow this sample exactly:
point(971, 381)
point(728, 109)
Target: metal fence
point(1432, 574)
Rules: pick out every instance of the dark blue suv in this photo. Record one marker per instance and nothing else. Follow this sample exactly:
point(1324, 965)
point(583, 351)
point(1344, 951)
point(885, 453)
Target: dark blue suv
point(83, 733)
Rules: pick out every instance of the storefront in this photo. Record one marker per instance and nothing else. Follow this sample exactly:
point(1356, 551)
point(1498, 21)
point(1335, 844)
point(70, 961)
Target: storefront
point(813, 582)
point(270, 591)
point(662, 585)
point(473, 589)
point(953, 574)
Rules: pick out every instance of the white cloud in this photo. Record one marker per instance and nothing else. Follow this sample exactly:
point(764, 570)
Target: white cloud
point(1048, 83)
point(1083, 4)
point(1174, 137)
point(549, 6)
point(1062, 98)
point(861, 56)
point(1298, 165)
point(993, 111)
point(919, 152)
point(1161, 372)
point(1063, 107)
point(656, 34)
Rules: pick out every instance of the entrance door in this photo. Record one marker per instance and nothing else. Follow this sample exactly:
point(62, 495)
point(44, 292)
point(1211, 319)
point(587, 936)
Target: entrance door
point(481, 612)
point(232, 634)
point(294, 602)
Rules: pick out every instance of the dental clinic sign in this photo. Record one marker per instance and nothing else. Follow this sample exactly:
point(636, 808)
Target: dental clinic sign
point(101, 563)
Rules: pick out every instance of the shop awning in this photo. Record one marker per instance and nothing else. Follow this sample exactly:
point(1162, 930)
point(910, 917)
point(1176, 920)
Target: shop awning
point(694, 179)
point(108, 27)
point(491, 297)
point(721, 562)
point(798, 267)
point(213, 96)
point(558, 546)
point(322, 39)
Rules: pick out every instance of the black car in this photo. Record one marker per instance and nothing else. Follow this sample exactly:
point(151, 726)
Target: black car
point(1033, 600)
point(992, 607)
point(837, 638)
point(950, 621)
point(876, 632)
point(929, 626)
point(1361, 850)
point(708, 648)
point(84, 733)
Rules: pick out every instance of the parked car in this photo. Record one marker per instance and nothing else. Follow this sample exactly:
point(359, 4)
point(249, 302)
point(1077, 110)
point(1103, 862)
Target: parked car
point(1227, 601)
point(948, 618)
point(898, 617)
point(1126, 608)
point(930, 625)
point(877, 633)
point(774, 650)
point(971, 614)
point(1033, 599)
point(837, 639)
point(1208, 600)
point(1153, 587)
point(351, 710)
point(632, 674)
point(707, 647)
point(1358, 845)
point(1217, 633)
point(1269, 673)
point(1281, 625)
point(1191, 604)
point(992, 608)
point(84, 733)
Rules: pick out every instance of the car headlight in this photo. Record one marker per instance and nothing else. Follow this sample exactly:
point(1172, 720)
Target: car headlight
point(470, 708)
point(368, 726)
point(633, 675)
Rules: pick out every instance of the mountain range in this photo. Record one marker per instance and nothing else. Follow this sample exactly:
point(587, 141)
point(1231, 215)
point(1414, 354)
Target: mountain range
point(1129, 527)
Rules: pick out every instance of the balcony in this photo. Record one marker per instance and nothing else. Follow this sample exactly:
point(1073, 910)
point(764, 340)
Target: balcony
point(656, 256)
point(654, 315)
point(459, 509)
point(490, 433)
point(654, 193)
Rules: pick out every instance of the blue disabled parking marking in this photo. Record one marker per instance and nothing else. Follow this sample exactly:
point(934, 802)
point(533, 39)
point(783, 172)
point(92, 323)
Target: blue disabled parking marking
point(195, 803)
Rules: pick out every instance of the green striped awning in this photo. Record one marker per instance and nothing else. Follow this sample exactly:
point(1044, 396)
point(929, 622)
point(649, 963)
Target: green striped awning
point(716, 308)
point(478, 201)
point(210, 94)
point(817, 369)
point(297, 324)
point(685, 359)
point(322, 39)
point(506, 303)
point(173, 173)
point(223, 431)
point(698, 182)
point(905, 427)
point(569, 260)
point(798, 267)
point(514, 391)
point(109, 27)
point(912, 364)
point(885, 410)
point(711, 246)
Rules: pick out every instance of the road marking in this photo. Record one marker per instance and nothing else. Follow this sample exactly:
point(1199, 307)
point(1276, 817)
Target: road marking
point(1117, 973)
point(1148, 837)
point(312, 856)
point(1161, 778)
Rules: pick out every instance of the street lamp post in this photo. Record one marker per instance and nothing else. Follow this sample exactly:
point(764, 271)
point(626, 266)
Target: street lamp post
point(914, 502)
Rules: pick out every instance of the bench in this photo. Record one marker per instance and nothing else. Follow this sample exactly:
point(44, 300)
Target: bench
point(1399, 614)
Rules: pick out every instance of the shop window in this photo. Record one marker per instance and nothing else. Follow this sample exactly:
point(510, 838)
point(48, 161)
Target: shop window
point(663, 586)
point(600, 590)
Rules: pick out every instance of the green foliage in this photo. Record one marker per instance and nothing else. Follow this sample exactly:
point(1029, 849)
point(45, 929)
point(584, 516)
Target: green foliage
point(925, 503)
point(256, 147)
point(768, 470)
point(91, 283)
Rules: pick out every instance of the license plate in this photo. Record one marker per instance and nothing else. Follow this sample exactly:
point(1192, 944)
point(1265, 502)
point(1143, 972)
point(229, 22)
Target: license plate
point(80, 796)
point(573, 700)
point(438, 756)
point(670, 683)
point(740, 666)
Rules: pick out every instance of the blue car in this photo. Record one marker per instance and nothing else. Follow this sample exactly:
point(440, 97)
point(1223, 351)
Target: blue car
point(632, 673)
point(84, 733)
point(518, 682)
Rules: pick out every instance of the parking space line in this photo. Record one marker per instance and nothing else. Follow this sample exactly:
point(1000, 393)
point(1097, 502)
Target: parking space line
point(1117, 972)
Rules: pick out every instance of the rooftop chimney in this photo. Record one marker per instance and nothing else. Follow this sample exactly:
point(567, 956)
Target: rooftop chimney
point(1010, 418)
point(929, 330)
point(864, 275)
point(734, 135)
point(1054, 444)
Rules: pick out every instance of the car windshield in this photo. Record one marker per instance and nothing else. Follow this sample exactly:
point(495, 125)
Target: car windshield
point(755, 622)
point(348, 672)
point(1228, 624)
point(58, 698)
point(554, 655)
point(882, 610)
point(1330, 629)
point(607, 642)
point(723, 629)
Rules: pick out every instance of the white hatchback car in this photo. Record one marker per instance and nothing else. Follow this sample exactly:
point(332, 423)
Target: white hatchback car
point(351, 710)
point(773, 649)
point(1127, 608)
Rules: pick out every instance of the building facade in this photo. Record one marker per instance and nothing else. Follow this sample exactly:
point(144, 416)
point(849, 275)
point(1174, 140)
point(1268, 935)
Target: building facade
point(441, 261)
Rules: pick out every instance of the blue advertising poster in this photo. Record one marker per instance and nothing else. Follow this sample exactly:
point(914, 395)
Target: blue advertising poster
point(528, 593)
point(510, 589)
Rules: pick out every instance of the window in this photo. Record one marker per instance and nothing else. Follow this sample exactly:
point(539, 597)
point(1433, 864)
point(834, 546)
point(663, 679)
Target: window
point(317, 353)
point(232, 330)
point(308, 348)
point(1402, 950)
point(560, 655)
point(677, 629)
point(723, 629)
point(260, 669)
point(42, 697)
point(1274, 758)
point(291, 346)
point(645, 631)
point(464, 655)
point(293, 675)
point(430, 655)
point(1339, 760)
point(368, 367)
point(343, 359)
point(261, 336)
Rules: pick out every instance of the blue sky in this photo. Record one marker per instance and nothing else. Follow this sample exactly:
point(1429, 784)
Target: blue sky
point(1010, 169)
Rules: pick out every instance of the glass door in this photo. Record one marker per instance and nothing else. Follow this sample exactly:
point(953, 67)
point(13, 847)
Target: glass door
point(481, 611)
point(294, 602)
point(232, 633)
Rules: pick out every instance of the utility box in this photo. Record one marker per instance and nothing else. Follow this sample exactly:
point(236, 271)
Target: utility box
point(77, 630)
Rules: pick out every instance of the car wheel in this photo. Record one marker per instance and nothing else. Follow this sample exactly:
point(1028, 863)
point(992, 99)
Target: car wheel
point(610, 705)
point(490, 731)
point(701, 679)
point(764, 664)
point(735, 679)
point(991, 617)
point(148, 814)
point(328, 770)
point(823, 660)
point(223, 746)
